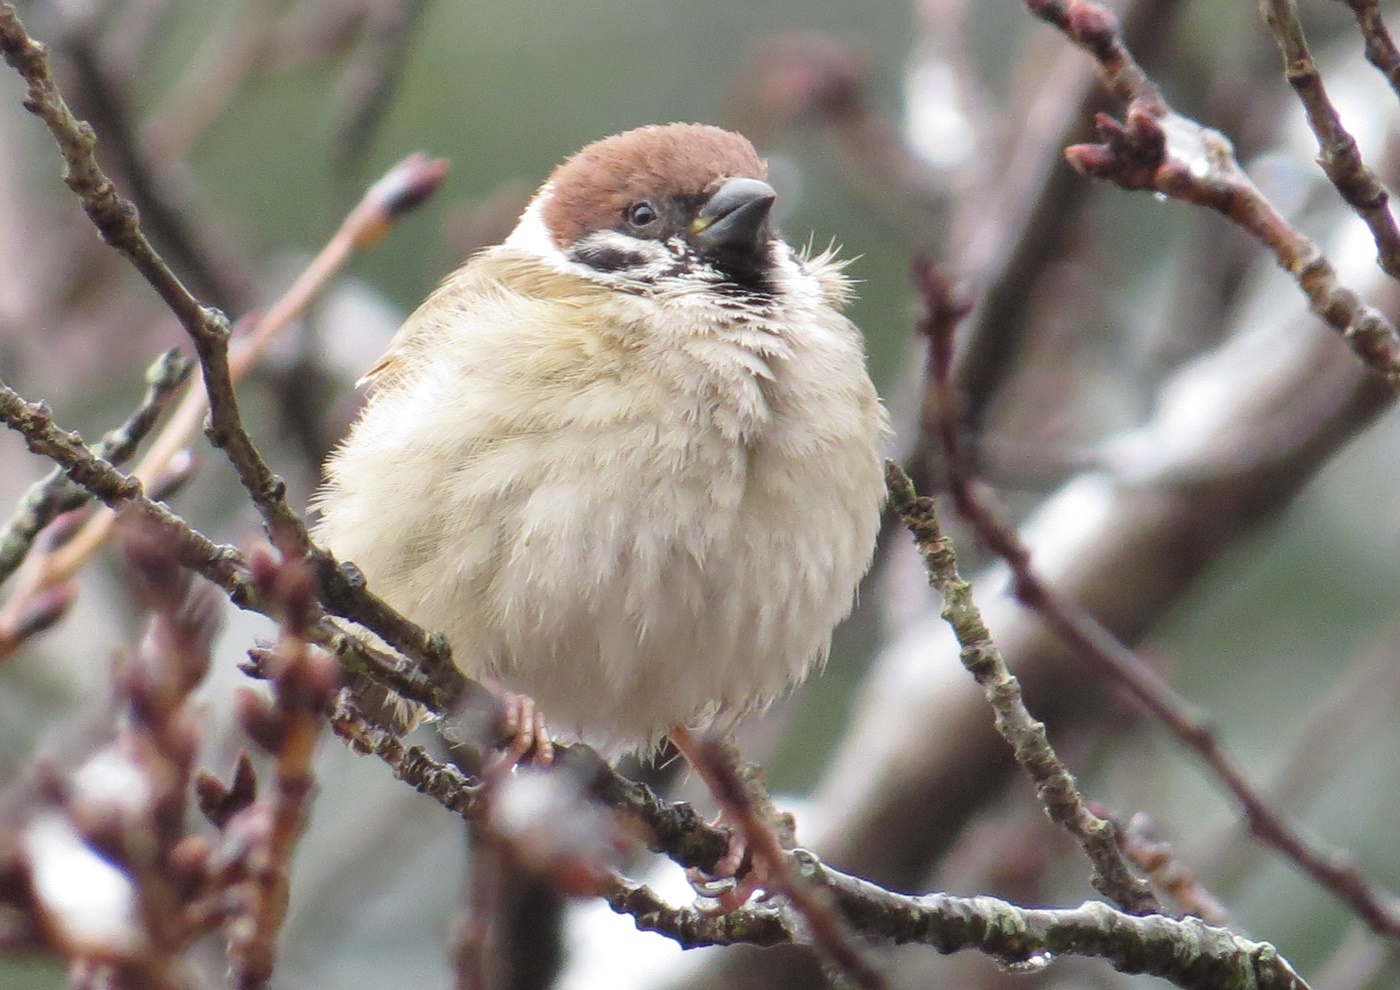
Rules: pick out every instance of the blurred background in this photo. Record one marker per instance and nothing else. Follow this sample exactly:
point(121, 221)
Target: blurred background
point(1195, 458)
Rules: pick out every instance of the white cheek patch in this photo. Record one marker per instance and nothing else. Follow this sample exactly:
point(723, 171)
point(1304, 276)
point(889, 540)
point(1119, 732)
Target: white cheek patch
point(530, 235)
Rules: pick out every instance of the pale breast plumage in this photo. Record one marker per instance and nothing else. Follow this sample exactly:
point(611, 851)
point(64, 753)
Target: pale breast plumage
point(644, 497)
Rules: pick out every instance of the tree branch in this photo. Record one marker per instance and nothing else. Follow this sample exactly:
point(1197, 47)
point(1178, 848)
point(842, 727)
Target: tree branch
point(1187, 952)
point(1380, 47)
point(1158, 150)
point(1095, 644)
point(1054, 784)
point(54, 495)
point(1338, 154)
point(207, 328)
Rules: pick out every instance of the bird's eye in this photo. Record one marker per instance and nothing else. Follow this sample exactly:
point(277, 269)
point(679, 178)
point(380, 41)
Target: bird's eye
point(641, 214)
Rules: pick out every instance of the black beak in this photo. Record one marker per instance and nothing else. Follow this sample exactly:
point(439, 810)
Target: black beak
point(735, 218)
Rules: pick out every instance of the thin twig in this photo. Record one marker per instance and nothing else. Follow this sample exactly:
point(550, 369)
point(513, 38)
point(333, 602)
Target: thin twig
point(828, 929)
point(945, 309)
point(401, 189)
point(1054, 784)
point(1158, 150)
point(1380, 47)
point(54, 494)
point(1157, 859)
point(1095, 644)
point(370, 81)
point(1338, 154)
point(288, 727)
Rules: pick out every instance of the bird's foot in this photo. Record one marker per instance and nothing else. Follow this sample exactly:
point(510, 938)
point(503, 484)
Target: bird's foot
point(527, 735)
point(732, 882)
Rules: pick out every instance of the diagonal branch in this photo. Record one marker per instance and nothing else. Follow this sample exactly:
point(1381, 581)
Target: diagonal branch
point(54, 495)
point(1158, 150)
point(1338, 154)
point(1380, 46)
point(1054, 784)
point(116, 220)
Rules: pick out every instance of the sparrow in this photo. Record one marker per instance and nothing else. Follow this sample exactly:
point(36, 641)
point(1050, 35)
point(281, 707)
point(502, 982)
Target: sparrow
point(628, 460)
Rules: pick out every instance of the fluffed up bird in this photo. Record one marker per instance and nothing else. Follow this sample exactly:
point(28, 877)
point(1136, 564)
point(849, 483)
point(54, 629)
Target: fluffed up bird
point(627, 460)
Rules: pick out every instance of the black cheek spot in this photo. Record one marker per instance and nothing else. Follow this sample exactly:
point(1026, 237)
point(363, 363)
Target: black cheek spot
point(607, 259)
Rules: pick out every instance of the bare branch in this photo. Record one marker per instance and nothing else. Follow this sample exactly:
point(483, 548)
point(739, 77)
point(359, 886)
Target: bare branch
point(1095, 644)
point(400, 190)
point(1380, 47)
point(1158, 150)
point(1338, 154)
point(1054, 784)
point(1157, 859)
point(55, 494)
point(1187, 952)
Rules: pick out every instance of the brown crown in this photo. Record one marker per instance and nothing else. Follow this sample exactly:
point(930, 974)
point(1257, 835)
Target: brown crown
point(592, 188)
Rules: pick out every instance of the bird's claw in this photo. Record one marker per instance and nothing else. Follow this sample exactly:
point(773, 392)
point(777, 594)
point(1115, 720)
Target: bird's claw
point(731, 883)
point(526, 733)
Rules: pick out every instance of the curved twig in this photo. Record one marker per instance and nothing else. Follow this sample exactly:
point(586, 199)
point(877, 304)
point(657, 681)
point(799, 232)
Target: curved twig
point(1158, 150)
